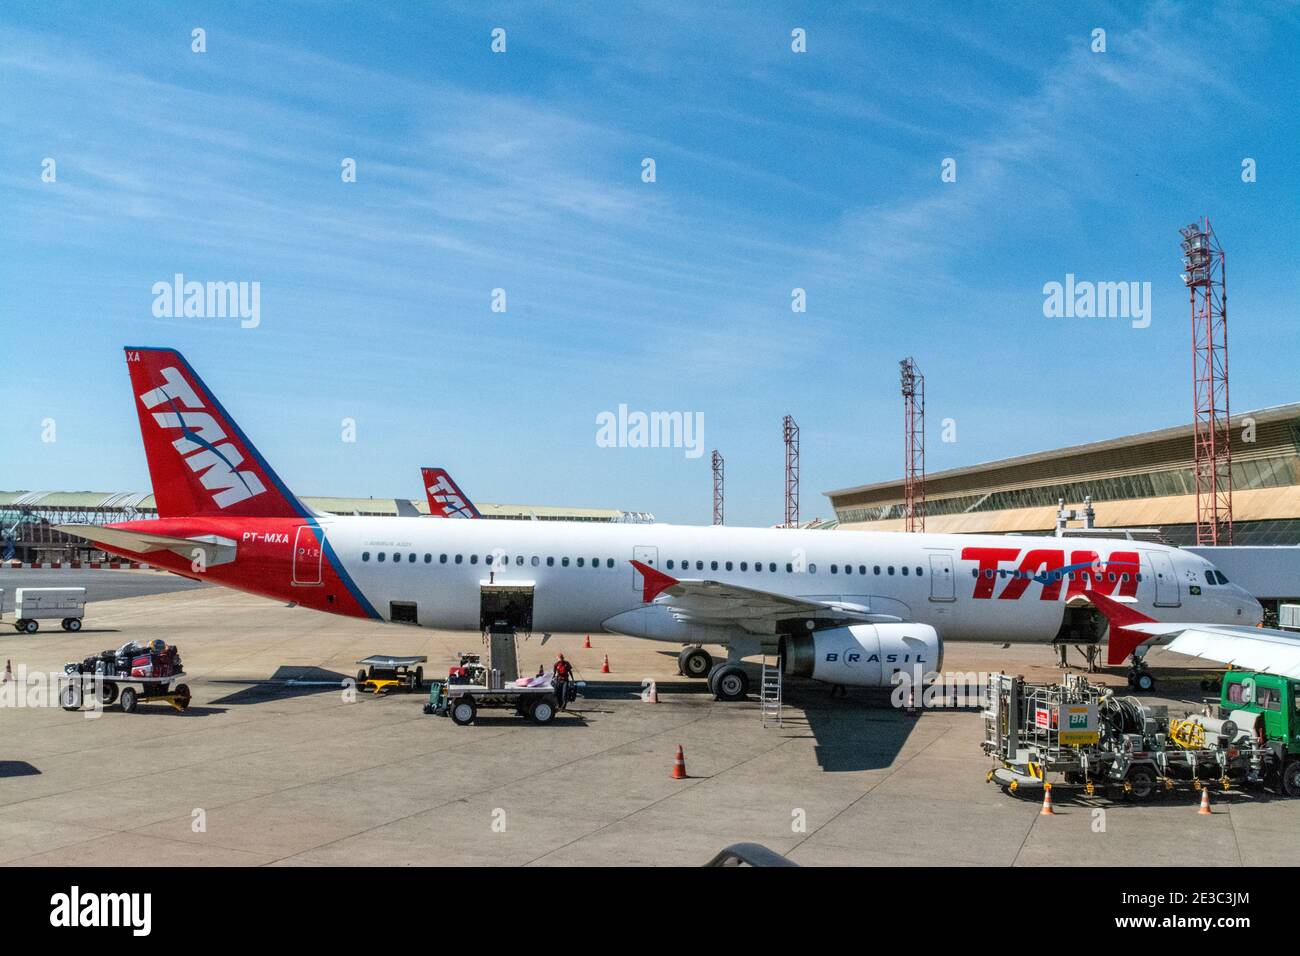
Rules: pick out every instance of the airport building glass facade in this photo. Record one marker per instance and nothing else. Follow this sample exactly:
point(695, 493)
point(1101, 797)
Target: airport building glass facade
point(1150, 474)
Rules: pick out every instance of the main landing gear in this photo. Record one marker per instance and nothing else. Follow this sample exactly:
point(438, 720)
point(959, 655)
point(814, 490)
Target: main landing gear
point(727, 679)
point(694, 662)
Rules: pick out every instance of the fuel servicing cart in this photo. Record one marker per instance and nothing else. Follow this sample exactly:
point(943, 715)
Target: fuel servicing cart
point(1094, 738)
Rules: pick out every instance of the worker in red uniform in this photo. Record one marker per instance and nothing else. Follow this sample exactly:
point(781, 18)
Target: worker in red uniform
point(563, 675)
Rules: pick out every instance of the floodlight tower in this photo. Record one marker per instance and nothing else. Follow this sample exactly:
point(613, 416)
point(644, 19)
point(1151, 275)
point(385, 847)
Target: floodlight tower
point(1206, 281)
point(718, 464)
point(791, 433)
point(913, 385)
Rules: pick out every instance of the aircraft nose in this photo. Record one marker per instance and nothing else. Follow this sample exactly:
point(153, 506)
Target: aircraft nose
point(1251, 609)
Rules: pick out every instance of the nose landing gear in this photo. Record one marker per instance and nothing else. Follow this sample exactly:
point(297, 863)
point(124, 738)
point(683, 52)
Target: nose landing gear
point(1140, 677)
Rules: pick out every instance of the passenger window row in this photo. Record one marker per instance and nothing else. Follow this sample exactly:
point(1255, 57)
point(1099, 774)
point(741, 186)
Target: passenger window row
point(501, 561)
point(771, 567)
point(489, 560)
point(1055, 575)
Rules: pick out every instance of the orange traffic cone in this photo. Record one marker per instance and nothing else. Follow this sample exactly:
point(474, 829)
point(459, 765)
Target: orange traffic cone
point(1205, 802)
point(1047, 810)
point(604, 668)
point(587, 642)
point(653, 696)
point(679, 764)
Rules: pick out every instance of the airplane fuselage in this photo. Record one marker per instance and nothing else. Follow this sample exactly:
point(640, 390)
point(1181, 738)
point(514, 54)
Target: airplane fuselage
point(433, 573)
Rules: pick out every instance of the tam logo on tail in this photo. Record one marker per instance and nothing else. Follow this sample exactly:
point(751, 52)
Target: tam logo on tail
point(446, 500)
point(199, 460)
point(203, 443)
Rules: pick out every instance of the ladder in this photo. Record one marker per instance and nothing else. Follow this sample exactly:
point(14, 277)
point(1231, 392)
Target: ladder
point(770, 693)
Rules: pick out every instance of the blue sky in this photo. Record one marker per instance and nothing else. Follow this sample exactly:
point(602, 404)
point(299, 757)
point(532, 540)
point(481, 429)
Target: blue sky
point(522, 171)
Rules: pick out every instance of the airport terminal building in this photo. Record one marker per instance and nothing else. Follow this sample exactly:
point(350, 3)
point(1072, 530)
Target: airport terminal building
point(1139, 481)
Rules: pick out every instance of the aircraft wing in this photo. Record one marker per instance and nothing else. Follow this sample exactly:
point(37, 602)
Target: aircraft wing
point(215, 549)
point(758, 611)
point(1253, 648)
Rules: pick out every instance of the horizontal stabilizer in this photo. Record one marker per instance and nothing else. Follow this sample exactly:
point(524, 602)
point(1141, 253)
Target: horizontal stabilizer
point(214, 549)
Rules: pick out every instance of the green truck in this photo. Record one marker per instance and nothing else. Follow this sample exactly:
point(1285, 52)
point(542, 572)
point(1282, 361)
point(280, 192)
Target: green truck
point(1274, 703)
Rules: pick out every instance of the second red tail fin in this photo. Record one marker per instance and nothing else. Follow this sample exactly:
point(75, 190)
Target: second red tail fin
point(446, 500)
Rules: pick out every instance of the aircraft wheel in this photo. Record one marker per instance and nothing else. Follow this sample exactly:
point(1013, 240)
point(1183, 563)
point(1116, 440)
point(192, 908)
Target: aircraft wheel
point(129, 699)
point(1144, 682)
point(730, 682)
point(464, 711)
point(694, 662)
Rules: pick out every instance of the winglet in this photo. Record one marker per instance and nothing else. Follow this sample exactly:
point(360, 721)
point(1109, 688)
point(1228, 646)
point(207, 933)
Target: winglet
point(1122, 642)
point(655, 582)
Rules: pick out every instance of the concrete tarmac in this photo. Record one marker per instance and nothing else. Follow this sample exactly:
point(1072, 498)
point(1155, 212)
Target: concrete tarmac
point(275, 763)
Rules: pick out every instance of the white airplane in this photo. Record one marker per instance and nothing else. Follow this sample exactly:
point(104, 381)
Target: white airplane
point(850, 608)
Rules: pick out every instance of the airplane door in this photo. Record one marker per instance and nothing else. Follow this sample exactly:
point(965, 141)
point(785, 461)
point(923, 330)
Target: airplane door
point(308, 549)
point(942, 585)
point(646, 555)
point(1168, 593)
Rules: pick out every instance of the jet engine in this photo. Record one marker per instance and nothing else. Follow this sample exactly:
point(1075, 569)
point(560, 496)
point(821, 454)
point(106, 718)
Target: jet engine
point(863, 655)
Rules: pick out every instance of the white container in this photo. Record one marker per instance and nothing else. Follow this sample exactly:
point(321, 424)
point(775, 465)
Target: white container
point(45, 604)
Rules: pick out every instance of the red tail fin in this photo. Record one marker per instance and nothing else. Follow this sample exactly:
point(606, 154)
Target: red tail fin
point(199, 460)
point(446, 500)
point(1122, 641)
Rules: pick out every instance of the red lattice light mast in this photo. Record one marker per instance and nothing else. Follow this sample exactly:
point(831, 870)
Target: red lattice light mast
point(1206, 281)
point(718, 464)
point(791, 431)
point(913, 383)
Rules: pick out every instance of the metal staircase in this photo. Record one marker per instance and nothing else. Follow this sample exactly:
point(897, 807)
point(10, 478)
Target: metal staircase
point(770, 693)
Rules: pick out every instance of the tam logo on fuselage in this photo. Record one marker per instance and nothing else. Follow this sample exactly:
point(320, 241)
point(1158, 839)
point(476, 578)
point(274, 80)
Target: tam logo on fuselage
point(203, 442)
point(1084, 572)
